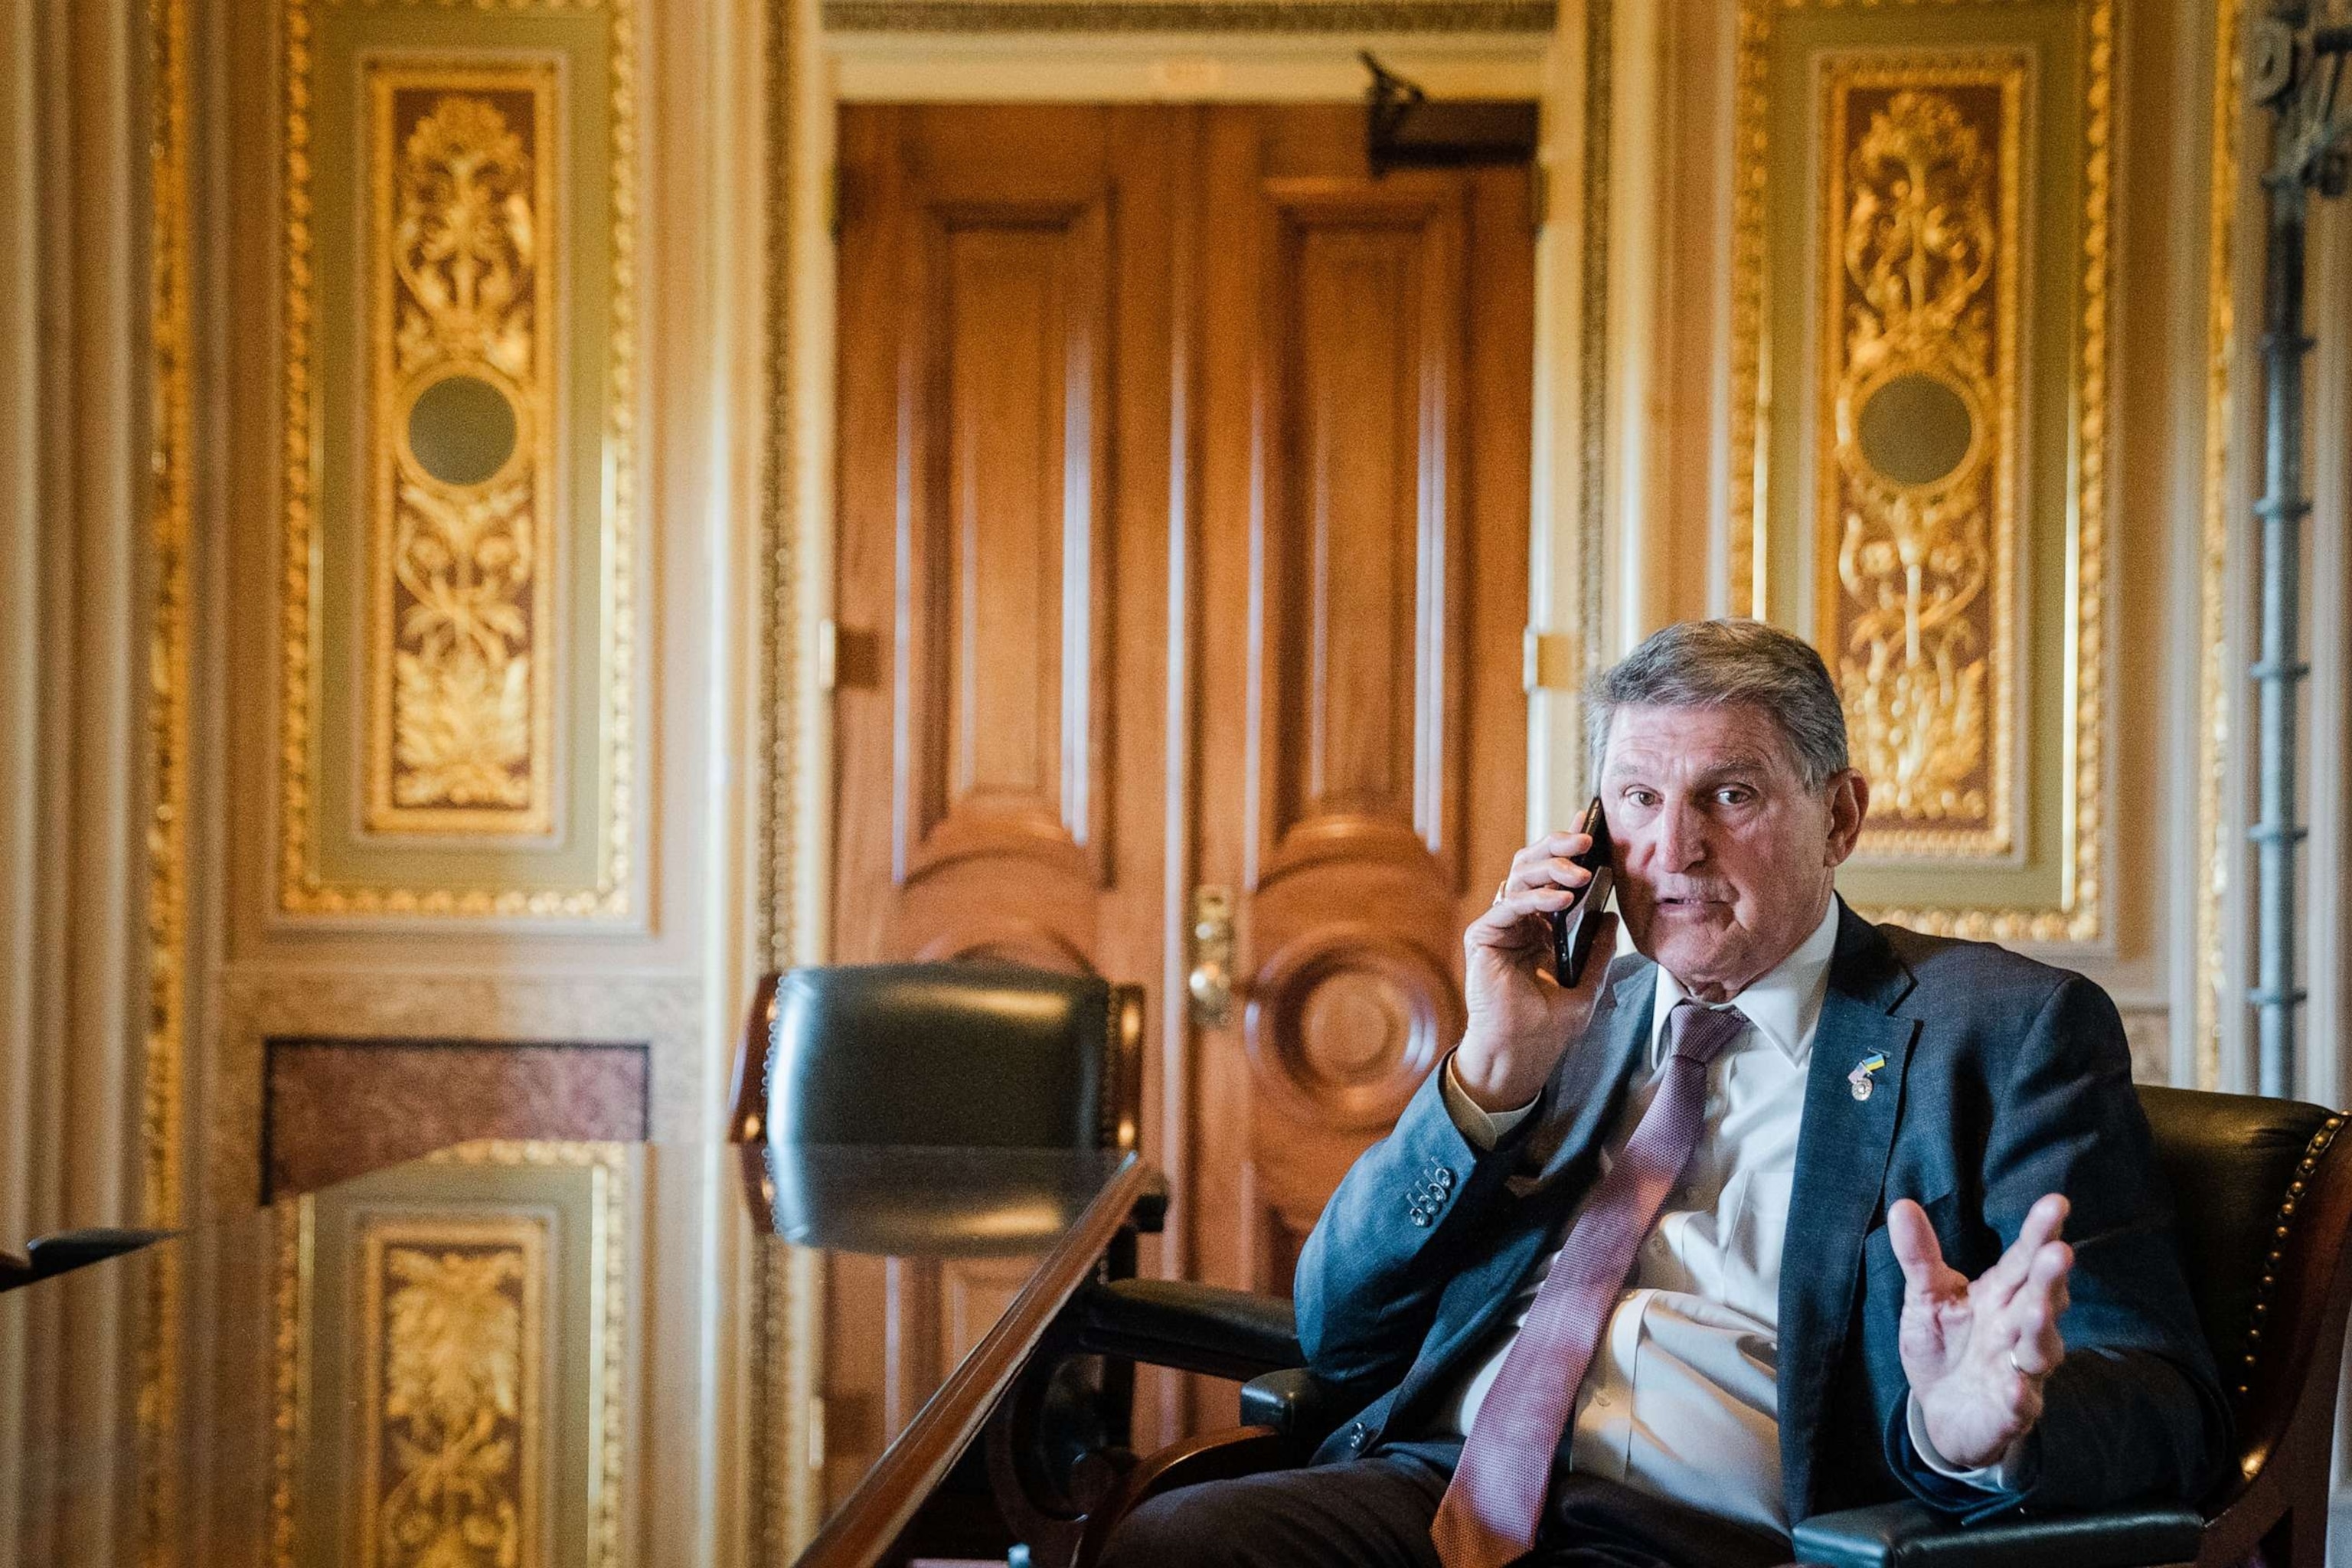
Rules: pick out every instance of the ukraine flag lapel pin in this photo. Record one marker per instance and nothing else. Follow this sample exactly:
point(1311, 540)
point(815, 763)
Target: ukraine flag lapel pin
point(1859, 1080)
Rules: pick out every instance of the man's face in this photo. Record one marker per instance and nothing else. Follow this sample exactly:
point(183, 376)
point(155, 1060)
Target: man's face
point(1724, 859)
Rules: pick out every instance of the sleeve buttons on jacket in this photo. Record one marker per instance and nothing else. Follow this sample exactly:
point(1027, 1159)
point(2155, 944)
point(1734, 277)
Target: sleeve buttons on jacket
point(1422, 1202)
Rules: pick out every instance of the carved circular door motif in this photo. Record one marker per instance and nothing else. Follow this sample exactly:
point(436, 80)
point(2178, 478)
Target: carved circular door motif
point(1344, 1025)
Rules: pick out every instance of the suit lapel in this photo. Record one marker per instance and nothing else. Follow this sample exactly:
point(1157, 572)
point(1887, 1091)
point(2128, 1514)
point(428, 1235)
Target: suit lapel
point(1589, 1081)
point(1842, 1145)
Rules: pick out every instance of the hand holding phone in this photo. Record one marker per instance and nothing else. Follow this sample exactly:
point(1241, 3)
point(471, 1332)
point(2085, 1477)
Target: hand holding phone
point(1529, 985)
point(1573, 928)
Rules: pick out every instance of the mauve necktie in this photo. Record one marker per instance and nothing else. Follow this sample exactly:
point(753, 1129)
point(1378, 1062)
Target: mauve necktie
point(1492, 1505)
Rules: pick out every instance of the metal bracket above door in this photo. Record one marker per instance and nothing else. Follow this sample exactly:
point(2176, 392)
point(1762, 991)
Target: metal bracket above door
point(1408, 131)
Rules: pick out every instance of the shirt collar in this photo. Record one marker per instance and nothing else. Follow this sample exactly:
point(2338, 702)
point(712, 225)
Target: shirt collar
point(1783, 1004)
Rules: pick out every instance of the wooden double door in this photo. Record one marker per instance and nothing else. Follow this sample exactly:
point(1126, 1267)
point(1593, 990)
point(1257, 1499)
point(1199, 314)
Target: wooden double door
point(1184, 489)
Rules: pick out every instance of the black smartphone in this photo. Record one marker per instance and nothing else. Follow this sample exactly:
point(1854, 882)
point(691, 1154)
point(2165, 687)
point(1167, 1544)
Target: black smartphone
point(1573, 928)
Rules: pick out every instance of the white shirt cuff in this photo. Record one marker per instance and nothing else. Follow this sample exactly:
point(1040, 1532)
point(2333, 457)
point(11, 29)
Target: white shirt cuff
point(1483, 1127)
point(2001, 1476)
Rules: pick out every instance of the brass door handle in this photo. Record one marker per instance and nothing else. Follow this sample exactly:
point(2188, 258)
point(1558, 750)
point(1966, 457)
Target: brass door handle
point(1212, 979)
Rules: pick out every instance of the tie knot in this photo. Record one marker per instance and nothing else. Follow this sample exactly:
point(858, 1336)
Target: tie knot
point(1700, 1032)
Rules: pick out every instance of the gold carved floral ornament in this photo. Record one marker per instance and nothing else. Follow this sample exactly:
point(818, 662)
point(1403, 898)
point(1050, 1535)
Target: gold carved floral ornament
point(443, 1306)
point(453, 1408)
point(462, 708)
point(1918, 509)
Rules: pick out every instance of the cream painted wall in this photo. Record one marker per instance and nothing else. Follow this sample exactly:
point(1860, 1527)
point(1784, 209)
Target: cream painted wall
point(72, 456)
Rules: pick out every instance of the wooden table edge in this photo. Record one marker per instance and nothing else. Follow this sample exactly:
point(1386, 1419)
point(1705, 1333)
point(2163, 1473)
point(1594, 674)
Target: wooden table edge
point(895, 1489)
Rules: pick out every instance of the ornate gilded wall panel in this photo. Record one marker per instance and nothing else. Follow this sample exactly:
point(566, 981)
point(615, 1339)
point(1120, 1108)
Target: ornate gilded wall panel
point(453, 1436)
point(1916, 521)
point(459, 458)
point(463, 269)
point(1921, 292)
point(450, 1368)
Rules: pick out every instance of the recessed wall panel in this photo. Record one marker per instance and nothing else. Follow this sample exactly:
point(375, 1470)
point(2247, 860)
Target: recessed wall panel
point(1915, 517)
point(451, 1362)
point(457, 350)
point(463, 270)
point(1922, 275)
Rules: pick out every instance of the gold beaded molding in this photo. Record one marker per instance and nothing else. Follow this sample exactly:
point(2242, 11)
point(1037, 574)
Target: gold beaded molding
point(1190, 15)
point(170, 528)
point(2213, 675)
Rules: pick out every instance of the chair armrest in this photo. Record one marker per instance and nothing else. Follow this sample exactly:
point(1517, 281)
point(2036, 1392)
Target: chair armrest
point(1912, 1535)
point(1300, 1407)
point(1193, 1328)
point(1150, 1214)
point(71, 1248)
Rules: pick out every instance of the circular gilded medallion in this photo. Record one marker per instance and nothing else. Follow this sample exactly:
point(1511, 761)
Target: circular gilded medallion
point(462, 429)
point(1915, 430)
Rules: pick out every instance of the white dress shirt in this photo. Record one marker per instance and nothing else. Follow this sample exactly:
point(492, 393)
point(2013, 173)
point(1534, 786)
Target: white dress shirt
point(1681, 1399)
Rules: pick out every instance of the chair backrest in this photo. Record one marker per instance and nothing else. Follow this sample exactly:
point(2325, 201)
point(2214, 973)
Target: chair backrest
point(951, 1055)
point(2263, 1200)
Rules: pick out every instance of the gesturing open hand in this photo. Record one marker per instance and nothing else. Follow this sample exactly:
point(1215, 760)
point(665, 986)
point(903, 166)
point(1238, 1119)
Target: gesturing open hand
point(1976, 1351)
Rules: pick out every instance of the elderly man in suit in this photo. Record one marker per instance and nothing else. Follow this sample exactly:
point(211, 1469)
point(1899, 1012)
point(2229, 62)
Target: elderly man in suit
point(1782, 1213)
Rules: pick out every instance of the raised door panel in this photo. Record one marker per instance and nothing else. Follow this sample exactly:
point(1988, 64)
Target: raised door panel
point(1364, 560)
point(998, 608)
point(1363, 327)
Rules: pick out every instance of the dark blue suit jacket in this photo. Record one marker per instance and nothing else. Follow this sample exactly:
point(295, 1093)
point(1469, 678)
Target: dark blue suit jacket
point(2004, 1079)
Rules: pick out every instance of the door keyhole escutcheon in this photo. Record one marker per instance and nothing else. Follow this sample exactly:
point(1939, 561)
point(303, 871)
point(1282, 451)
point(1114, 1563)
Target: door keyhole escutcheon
point(1211, 980)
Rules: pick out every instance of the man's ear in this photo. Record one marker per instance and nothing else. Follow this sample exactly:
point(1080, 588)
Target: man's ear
point(1849, 805)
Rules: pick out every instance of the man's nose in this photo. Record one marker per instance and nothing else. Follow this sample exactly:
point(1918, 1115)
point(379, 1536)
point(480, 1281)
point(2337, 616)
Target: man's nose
point(1682, 838)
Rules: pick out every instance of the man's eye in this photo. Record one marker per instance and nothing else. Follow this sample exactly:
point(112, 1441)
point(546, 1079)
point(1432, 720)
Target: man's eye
point(1734, 796)
point(1641, 797)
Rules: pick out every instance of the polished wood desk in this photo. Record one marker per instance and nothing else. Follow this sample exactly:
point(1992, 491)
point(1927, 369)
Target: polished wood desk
point(446, 1363)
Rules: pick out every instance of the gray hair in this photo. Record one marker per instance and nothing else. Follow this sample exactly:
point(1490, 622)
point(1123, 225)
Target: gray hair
point(1721, 664)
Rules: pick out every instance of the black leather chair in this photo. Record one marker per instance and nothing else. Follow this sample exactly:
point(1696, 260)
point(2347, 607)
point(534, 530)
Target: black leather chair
point(940, 1054)
point(2265, 1204)
point(947, 1056)
point(953, 1056)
